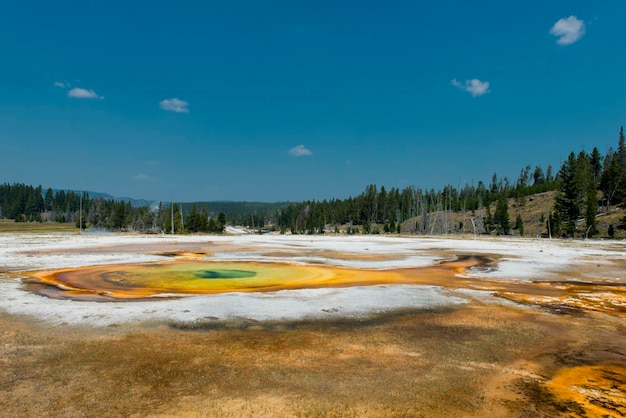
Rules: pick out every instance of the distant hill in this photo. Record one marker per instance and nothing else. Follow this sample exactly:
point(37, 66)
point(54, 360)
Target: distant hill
point(241, 212)
point(136, 203)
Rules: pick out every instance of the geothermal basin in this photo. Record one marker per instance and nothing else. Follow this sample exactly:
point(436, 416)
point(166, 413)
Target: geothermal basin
point(296, 277)
point(304, 326)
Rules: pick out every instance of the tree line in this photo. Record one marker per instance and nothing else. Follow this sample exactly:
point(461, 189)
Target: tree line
point(585, 185)
point(385, 211)
point(24, 203)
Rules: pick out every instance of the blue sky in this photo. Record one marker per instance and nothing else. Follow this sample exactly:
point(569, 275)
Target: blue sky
point(295, 100)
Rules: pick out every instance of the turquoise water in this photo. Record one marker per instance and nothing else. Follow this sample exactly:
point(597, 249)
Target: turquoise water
point(224, 274)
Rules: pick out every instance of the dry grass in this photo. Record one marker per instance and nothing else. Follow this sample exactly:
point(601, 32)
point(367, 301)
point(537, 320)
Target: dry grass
point(531, 212)
point(36, 227)
point(414, 364)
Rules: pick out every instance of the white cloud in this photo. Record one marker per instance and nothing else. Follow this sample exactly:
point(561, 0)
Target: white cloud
point(299, 151)
point(80, 93)
point(474, 86)
point(59, 84)
point(142, 176)
point(175, 105)
point(568, 30)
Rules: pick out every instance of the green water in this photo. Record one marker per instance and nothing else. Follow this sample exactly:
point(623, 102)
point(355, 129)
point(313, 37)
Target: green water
point(224, 274)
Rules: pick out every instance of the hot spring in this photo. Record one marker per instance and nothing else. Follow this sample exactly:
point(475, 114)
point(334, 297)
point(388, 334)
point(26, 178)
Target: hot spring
point(195, 277)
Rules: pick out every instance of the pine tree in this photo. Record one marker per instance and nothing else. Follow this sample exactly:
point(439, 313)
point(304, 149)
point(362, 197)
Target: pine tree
point(204, 219)
point(212, 225)
point(221, 222)
point(119, 216)
point(596, 163)
point(493, 187)
point(192, 220)
point(569, 200)
point(48, 200)
point(549, 178)
point(587, 179)
point(501, 217)
point(538, 177)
